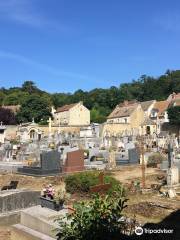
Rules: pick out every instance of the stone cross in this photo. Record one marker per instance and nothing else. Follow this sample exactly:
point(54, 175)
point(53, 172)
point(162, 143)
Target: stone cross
point(50, 125)
point(1, 123)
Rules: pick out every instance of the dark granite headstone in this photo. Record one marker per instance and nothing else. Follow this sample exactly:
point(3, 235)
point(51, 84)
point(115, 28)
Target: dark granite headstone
point(50, 164)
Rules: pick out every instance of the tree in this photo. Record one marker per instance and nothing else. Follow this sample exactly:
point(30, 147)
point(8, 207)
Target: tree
point(174, 115)
point(34, 107)
point(2, 96)
point(97, 219)
point(7, 117)
point(30, 87)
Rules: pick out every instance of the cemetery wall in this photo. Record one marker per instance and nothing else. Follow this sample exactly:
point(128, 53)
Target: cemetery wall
point(68, 129)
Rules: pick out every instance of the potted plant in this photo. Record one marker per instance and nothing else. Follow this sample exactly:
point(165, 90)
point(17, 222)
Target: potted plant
point(60, 197)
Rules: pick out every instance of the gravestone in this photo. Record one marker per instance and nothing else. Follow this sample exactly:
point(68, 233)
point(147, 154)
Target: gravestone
point(74, 162)
point(50, 164)
point(172, 176)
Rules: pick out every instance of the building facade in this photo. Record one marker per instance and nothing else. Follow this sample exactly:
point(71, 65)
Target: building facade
point(72, 115)
point(126, 119)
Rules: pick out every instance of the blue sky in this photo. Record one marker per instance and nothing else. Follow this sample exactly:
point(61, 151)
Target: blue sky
point(65, 45)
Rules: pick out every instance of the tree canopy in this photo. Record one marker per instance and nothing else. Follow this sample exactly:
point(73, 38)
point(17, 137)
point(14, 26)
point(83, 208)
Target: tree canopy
point(100, 101)
point(174, 115)
point(34, 108)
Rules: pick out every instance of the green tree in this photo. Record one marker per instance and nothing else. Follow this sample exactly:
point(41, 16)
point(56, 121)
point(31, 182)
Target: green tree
point(2, 96)
point(30, 87)
point(34, 107)
point(174, 115)
point(97, 219)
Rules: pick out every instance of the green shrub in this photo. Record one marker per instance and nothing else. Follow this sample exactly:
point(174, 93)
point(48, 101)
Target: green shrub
point(154, 159)
point(81, 182)
point(96, 219)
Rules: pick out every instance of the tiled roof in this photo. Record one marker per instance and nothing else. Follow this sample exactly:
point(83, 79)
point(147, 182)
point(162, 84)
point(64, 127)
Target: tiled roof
point(66, 107)
point(145, 105)
point(123, 111)
point(161, 107)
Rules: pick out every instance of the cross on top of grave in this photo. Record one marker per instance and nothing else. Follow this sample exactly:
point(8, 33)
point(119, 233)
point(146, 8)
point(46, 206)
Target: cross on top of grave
point(102, 186)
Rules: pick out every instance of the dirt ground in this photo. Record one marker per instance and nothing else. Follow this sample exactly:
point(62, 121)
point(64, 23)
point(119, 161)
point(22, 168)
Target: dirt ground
point(128, 173)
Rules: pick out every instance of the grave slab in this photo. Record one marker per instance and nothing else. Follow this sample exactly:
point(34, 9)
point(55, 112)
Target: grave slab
point(41, 219)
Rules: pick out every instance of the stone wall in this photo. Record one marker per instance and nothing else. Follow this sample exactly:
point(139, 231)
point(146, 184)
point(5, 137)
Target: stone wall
point(67, 129)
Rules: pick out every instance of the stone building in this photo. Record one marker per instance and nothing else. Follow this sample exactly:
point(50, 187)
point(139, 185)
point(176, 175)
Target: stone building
point(75, 114)
point(159, 114)
point(147, 107)
point(125, 119)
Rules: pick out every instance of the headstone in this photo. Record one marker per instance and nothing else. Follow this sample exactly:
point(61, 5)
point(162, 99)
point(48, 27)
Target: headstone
point(50, 164)
point(112, 160)
point(74, 161)
point(172, 176)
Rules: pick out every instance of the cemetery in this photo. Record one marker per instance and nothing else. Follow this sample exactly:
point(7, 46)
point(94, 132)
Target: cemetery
point(42, 177)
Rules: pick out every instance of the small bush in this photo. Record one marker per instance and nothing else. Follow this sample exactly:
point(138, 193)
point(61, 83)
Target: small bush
point(81, 182)
point(97, 219)
point(155, 159)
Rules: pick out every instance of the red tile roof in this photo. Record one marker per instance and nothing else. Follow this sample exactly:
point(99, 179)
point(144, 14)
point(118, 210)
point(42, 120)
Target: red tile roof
point(123, 110)
point(161, 106)
point(66, 107)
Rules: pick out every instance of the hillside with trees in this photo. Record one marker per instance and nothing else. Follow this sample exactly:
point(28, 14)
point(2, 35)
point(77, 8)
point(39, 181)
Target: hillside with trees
point(100, 101)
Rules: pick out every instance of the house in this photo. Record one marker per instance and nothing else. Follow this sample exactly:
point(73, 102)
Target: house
point(147, 107)
point(174, 99)
point(174, 96)
point(126, 118)
point(75, 114)
point(159, 114)
point(148, 127)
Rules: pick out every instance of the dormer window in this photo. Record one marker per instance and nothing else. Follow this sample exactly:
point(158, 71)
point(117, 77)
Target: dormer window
point(154, 113)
